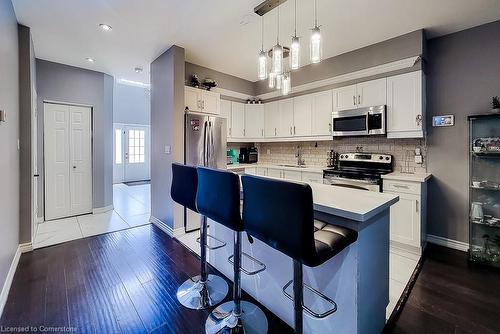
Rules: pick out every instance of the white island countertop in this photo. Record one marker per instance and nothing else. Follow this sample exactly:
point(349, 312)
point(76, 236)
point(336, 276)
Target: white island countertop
point(416, 177)
point(353, 204)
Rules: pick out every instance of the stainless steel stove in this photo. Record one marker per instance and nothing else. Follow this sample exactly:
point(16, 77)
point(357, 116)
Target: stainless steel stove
point(359, 170)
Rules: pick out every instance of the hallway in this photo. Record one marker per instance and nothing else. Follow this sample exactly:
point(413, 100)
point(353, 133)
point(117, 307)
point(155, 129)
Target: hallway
point(131, 208)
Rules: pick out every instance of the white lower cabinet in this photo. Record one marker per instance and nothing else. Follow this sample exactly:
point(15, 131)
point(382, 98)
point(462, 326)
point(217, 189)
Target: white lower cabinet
point(274, 172)
point(312, 177)
point(407, 226)
point(287, 174)
point(292, 175)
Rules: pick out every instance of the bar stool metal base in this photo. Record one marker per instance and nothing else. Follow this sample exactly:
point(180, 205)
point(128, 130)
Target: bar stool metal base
point(197, 295)
point(223, 320)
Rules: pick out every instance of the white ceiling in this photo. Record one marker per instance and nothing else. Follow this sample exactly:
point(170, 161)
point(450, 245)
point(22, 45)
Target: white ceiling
point(225, 34)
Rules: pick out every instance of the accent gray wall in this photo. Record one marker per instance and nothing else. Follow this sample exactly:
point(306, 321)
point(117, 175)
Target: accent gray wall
point(463, 74)
point(26, 90)
point(404, 46)
point(224, 80)
point(167, 128)
point(9, 133)
point(73, 85)
point(131, 105)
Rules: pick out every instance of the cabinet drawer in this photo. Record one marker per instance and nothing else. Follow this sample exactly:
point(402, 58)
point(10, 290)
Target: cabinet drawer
point(401, 187)
point(312, 177)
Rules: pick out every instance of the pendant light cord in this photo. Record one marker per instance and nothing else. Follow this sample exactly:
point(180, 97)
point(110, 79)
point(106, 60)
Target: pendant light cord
point(295, 29)
point(278, 34)
point(262, 32)
point(315, 13)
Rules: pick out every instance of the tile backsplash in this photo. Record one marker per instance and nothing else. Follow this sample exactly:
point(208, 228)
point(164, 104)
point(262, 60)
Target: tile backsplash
point(315, 153)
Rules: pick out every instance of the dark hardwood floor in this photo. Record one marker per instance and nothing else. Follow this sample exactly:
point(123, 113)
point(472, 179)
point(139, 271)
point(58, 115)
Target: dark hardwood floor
point(451, 296)
point(125, 282)
point(122, 282)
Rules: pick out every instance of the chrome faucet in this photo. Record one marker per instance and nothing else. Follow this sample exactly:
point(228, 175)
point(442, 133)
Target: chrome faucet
point(300, 160)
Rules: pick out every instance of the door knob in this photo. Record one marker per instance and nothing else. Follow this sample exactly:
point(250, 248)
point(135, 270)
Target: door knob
point(74, 167)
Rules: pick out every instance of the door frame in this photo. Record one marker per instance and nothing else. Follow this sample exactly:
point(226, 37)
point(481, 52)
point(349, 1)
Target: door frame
point(92, 169)
point(123, 126)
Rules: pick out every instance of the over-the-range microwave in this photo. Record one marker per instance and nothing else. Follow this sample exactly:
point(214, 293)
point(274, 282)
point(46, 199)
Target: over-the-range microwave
point(359, 122)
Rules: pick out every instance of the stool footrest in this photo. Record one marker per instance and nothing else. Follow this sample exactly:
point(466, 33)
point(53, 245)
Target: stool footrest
point(245, 271)
point(333, 308)
point(220, 242)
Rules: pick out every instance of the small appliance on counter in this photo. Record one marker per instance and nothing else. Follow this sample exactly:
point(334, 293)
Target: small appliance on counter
point(248, 155)
point(232, 156)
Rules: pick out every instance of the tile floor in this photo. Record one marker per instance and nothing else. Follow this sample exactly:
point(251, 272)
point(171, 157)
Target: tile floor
point(131, 208)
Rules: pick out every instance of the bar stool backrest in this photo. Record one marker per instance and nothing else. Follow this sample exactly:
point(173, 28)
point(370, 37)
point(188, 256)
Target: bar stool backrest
point(219, 197)
point(281, 214)
point(184, 185)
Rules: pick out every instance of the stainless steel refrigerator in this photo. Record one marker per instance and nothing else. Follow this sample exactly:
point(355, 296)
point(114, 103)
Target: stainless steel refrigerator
point(205, 144)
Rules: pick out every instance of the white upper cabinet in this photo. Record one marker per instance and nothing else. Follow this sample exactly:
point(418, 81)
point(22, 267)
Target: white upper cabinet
point(344, 98)
point(371, 93)
point(271, 119)
point(302, 112)
point(237, 120)
point(225, 112)
point(201, 100)
point(322, 107)
point(405, 106)
point(285, 108)
point(254, 120)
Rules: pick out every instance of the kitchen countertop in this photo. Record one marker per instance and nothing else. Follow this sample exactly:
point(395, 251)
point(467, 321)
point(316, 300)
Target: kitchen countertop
point(312, 169)
point(417, 177)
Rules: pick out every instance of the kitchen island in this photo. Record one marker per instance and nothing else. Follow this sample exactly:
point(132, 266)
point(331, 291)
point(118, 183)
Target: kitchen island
point(357, 279)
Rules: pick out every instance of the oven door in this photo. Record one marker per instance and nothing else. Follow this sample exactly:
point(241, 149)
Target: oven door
point(350, 123)
point(370, 185)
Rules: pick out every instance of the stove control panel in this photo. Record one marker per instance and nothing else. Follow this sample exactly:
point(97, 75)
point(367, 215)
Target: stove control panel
point(366, 157)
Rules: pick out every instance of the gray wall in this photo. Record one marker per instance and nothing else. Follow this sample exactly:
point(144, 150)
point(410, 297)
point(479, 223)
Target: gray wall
point(463, 75)
point(9, 133)
point(131, 105)
point(26, 89)
point(224, 80)
point(167, 127)
point(68, 84)
point(404, 46)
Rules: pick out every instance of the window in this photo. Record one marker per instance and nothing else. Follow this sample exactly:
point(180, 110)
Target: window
point(118, 146)
point(135, 146)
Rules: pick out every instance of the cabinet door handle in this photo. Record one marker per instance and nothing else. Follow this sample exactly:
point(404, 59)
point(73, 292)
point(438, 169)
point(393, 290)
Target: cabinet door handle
point(418, 120)
point(400, 186)
point(330, 127)
point(203, 104)
point(416, 206)
point(275, 132)
point(262, 132)
point(229, 131)
point(359, 99)
point(244, 132)
point(354, 99)
point(290, 130)
point(294, 130)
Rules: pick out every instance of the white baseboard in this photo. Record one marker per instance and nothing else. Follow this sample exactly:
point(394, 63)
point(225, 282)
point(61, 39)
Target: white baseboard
point(450, 243)
point(9, 278)
point(174, 233)
point(26, 247)
point(102, 210)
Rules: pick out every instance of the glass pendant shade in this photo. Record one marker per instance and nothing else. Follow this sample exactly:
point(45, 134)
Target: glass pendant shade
point(262, 67)
point(295, 53)
point(286, 86)
point(277, 59)
point(272, 80)
point(315, 46)
point(279, 81)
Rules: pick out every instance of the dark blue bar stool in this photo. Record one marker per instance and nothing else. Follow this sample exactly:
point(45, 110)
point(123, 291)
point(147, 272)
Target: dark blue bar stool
point(202, 291)
point(219, 199)
point(281, 214)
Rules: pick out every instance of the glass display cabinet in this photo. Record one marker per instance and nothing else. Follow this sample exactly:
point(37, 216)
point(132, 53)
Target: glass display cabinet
point(484, 189)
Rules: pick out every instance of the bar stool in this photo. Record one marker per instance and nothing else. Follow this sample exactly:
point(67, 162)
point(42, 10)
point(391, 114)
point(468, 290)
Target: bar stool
point(281, 214)
point(202, 291)
point(219, 199)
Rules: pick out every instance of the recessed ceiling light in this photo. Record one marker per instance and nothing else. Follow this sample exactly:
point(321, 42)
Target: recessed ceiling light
point(90, 59)
point(138, 69)
point(105, 27)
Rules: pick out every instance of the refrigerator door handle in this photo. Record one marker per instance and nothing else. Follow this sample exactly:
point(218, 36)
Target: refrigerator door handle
point(211, 143)
point(205, 133)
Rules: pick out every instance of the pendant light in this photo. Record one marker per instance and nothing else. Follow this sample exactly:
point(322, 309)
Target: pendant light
point(286, 85)
point(295, 46)
point(315, 47)
point(272, 79)
point(277, 66)
point(262, 67)
point(279, 81)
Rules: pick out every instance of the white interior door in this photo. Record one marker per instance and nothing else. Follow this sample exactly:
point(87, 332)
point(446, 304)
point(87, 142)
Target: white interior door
point(68, 161)
point(34, 157)
point(137, 157)
point(118, 152)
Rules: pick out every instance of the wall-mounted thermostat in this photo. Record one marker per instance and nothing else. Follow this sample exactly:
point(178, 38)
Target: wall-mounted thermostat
point(445, 120)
